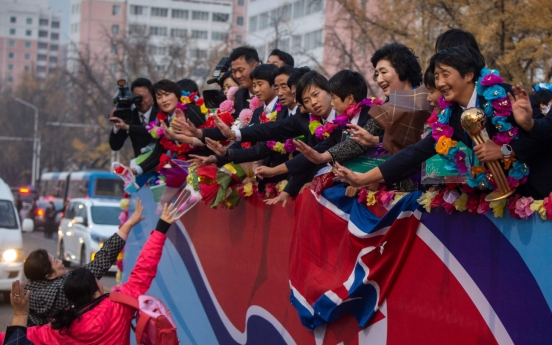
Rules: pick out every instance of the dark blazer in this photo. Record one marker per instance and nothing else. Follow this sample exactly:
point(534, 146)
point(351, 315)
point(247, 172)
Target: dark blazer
point(241, 101)
point(537, 157)
point(542, 130)
point(139, 136)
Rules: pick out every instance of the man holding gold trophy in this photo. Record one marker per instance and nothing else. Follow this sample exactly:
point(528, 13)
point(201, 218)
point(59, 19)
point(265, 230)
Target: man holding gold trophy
point(481, 111)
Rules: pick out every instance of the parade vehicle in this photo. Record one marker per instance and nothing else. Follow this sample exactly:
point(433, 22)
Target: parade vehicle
point(81, 184)
point(85, 226)
point(11, 241)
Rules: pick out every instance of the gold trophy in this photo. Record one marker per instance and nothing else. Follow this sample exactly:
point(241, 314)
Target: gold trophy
point(473, 121)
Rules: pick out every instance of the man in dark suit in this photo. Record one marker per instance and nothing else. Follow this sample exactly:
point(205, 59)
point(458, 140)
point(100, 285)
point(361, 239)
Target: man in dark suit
point(142, 114)
point(243, 61)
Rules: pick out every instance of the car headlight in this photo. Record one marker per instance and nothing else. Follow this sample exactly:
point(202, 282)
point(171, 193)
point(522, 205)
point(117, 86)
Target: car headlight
point(98, 238)
point(12, 255)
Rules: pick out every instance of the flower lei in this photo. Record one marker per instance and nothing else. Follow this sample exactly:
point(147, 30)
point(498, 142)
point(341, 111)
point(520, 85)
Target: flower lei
point(193, 97)
point(244, 118)
point(497, 108)
point(324, 131)
point(468, 199)
point(276, 146)
point(272, 116)
point(157, 132)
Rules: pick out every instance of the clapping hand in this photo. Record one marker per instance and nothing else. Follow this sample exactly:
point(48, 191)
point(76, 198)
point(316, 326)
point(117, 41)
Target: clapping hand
point(521, 108)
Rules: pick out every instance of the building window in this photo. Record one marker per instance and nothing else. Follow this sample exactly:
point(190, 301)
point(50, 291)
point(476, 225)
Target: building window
point(241, 2)
point(221, 17)
point(42, 45)
point(10, 79)
point(28, 44)
point(219, 36)
point(152, 50)
point(158, 31)
point(253, 24)
point(10, 67)
point(43, 22)
point(200, 15)
point(13, 20)
point(27, 56)
point(198, 53)
point(53, 59)
point(42, 33)
point(136, 29)
point(116, 10)
point(159, 12)
point(54, 47)
point(136, 10)
point(285, 15)
point(27, 68)
point(296, 42)
point(239, 38)
point(181, 14)
point(12, 31)
point(298, 9)
point(314, 6)
point(55, 25)
point(200, 34)
point(54, 36)
point(313, 40)
point(179, 32)
point(28, 32)
point(115, 29)
point(41, 57)
point(113, 49)
point(11, 55)
point(41, 69)
point(239, 21)
point(12, 43)
point(29, 20)
point(264, 21)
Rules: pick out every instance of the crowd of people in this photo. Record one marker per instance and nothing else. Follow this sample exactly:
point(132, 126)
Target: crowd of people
point(293, 124)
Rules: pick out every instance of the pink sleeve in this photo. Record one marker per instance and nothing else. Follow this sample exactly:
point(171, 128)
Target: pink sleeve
point(145, 268)
point(42, 335)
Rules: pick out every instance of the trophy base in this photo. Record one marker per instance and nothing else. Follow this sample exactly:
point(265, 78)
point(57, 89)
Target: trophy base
point(498, 195)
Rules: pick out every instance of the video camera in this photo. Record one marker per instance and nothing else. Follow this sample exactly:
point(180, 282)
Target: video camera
point(123, 101)
point(213, 98)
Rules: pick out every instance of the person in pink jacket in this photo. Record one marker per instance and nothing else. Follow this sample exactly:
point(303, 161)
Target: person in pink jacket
point(92, 318)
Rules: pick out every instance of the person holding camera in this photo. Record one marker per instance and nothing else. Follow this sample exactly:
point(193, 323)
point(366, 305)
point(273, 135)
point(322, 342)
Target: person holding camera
point(143, 113)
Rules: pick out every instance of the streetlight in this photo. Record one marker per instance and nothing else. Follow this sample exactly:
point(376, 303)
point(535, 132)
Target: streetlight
point(35, 141)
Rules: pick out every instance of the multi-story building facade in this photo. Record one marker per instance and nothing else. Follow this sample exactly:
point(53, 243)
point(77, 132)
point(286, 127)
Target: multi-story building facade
point(203, 26)
point(29, 39)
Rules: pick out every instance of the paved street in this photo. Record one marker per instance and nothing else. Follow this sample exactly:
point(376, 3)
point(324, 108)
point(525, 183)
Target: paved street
point(32, 241)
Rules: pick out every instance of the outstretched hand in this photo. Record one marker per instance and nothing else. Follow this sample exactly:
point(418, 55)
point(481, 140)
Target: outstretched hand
point(347, 175)
point(361, 135)
point(168, 213)
point(264, 171)
point(215, 146)
point(223, 127)
point(137, 215)
point(202, 160)
point(283, 198)
point(307, 151)
point(521, 107)
point(19, 300)
point(182, 125)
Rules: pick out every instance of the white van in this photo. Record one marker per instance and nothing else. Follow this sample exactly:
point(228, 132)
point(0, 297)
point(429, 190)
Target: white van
point(11, 241)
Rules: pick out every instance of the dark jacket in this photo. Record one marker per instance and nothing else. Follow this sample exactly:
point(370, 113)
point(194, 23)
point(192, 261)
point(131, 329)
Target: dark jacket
point(139, 136)
point(241, 101)
point(48, 295)
point(526, 149)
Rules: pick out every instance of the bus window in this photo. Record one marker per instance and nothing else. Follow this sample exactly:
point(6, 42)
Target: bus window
point(109, 187)
point(77, 189)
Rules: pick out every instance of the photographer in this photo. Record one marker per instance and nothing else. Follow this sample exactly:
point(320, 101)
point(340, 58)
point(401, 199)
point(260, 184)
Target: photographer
point(142, 114)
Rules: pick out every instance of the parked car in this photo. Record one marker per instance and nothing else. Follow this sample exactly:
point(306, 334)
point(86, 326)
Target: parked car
point(84, 228)
point(40, 211)
point(11, 241)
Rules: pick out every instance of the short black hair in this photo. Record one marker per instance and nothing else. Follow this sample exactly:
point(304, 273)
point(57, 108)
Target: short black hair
point(188, 85)
point(543, 96)
point(347, 82)
point(264, 72)
point(37, 265)
point(167, 86)
point(309, 80)
point(142, 82)
point(247, 52)
point(403, 60)
point(226, 75)
point(296, 75)
point(285, 57)
point(454, 38)
point(287, 70)
point(461, 58)
point(429, 79)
